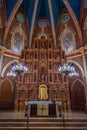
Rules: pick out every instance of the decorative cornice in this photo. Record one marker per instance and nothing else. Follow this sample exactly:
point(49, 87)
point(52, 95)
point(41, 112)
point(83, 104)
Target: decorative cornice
point(8, 53)
point(77, 53)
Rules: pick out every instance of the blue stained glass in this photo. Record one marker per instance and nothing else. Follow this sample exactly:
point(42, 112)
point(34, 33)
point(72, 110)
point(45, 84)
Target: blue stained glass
point(42, 24)
point(20, 18)
point(65, 18)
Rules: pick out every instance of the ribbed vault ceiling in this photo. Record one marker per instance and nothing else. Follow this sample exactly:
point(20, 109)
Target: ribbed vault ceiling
point(43, 9)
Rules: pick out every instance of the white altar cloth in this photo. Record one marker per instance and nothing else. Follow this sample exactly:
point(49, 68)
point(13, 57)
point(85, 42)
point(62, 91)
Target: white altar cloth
point(39, 102)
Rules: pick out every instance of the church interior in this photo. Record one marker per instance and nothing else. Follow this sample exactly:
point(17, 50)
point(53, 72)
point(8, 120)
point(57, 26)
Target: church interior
point(43, 64)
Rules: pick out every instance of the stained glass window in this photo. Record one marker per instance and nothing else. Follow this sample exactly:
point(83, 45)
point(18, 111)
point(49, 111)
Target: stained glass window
point(65, 18)
point(17, 42)
point(20, 17)
point(42, 23)
point(68, 42)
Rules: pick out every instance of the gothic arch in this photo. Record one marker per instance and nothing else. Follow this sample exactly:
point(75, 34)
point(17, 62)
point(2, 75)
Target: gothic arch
point(78, 97)
point(6, 66)
point(78, 65)
point(68, 40)
point(75, 82)
point(18, 39)
point(42, 34)
point(9, 82)
point(6, 94)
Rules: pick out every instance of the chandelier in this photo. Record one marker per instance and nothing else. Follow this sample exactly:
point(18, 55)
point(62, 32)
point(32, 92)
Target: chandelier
point(68, 69)
point(11, 73)
point(17, 69)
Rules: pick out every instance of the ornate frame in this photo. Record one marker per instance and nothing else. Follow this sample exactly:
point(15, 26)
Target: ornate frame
point(20, 30)
point(65, 31)
point(46, 95)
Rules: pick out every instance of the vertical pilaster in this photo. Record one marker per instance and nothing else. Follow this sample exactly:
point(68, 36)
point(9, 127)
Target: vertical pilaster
point(1, 62)
point(85, 75)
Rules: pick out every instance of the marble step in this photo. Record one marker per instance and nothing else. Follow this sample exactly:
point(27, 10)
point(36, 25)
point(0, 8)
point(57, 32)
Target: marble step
point(43, 128)
point(41, 124)
point(44, 120)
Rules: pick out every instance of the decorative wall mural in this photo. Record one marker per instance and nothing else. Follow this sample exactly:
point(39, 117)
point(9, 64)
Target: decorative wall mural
point(18, 39)
point(68, 42)
point(17, 42)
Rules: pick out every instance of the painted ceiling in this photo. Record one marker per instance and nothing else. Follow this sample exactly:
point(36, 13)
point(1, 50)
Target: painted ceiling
point(43, 9)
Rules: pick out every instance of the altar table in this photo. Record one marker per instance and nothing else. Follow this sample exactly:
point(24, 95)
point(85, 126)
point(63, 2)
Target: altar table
point(42, 108)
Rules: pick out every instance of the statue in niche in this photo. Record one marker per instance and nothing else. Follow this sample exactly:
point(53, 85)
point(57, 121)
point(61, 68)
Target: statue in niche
point(68, 42)
point(17, 42)
point(43, 92)
point(42, 77)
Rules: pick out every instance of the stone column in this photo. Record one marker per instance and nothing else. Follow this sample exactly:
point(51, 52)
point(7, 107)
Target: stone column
point(57, 108)
point(29, 110)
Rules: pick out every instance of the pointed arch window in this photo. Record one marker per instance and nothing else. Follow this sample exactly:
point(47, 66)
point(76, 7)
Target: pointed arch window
point(68, 41)
point(18, 39)
point(17, 42)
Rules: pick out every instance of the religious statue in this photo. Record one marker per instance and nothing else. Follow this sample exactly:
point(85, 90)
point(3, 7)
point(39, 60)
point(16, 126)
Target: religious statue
point(43, 92)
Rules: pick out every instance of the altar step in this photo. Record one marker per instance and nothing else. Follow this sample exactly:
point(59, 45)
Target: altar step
point(43, 124)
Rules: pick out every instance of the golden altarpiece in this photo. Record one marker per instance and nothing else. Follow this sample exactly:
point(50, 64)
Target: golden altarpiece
point(43, 80)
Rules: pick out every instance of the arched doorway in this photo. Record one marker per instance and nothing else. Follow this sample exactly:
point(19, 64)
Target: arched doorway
point(6, 95)
point(78, 99)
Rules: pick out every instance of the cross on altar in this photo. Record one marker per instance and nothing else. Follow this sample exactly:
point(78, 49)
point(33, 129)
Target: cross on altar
point(43, 109)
